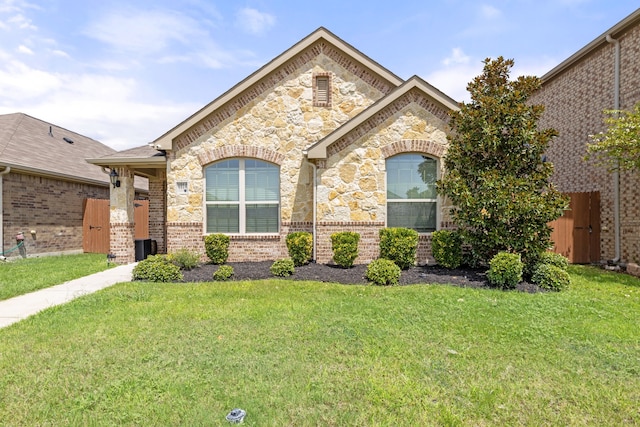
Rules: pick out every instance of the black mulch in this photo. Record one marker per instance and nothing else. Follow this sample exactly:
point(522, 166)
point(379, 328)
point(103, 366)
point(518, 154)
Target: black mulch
point(463, 277)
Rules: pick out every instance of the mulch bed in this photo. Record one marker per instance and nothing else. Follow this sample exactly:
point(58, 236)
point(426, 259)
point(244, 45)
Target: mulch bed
point(429, 274)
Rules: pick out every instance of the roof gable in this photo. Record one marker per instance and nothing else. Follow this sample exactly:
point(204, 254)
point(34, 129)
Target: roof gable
point(222, 108)
point(432, 99)
point(32, 145)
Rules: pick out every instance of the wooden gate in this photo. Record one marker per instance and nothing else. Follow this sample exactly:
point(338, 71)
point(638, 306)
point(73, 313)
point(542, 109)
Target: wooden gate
point(95, 224)
point(576, 234)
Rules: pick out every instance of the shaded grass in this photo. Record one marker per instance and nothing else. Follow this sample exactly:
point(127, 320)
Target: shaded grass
point(30, 274)
point(306, 353)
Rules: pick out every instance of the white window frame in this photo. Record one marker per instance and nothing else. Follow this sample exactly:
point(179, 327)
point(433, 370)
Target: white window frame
point(436, 200)
point(241, 203)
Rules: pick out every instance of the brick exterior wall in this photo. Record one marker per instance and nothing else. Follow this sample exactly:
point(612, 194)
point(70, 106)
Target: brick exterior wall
point(158, 213)
point(574, 102)
point(53, 208)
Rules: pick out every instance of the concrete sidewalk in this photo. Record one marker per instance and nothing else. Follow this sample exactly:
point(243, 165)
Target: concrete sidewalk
point(23, 306)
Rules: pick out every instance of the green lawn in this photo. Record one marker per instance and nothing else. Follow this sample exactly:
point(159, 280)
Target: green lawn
point(308, 354)
point(27, 275)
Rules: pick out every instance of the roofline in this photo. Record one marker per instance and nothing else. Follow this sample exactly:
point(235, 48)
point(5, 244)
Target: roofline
point(165, 141)
point(319, 149)
point(134, 161)
point(33, 171)
point(614, 32)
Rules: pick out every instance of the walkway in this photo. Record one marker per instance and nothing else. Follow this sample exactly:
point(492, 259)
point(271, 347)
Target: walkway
point(15, 309)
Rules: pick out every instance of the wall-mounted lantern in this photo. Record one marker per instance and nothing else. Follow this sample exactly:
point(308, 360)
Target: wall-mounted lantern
point(113, 177)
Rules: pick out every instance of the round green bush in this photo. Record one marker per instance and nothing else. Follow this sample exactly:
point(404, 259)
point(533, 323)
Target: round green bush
point(383, 272)
point(282, 267)
point(345, 248)
point(551, 277)
point(505, 270)
point(157, 268)
point(446, 248)
point(300, 247)
point(399, 245)
point(224, 272)
point(552, 258)
point(217, 247)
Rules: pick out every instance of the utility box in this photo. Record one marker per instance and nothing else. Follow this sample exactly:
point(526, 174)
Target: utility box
point(143, 249)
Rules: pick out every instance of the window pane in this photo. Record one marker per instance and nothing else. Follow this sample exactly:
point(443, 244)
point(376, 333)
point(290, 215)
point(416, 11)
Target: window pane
point(411, 176)
point(223, 182)
point(262, 218)
point(223, 219)
point(420, 216)
point(262, 181)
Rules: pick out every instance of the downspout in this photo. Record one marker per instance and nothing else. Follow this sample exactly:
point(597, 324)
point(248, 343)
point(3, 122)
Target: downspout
point(5, 171)
point(616, 173)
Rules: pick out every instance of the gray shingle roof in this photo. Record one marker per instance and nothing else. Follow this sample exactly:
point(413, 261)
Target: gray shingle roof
point(31, 144)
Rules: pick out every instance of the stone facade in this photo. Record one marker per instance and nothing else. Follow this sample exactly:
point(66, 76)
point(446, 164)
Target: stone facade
point(574, 101)
point(277, 120)
point(52, 208)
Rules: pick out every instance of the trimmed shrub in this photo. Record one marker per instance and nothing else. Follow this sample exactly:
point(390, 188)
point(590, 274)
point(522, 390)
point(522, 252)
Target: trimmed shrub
point(552, 258)
point(300, 247)
point(224, 272)
point(505, 270)
point(383, 272)
point(546, 257)
point(217, 247)
point(282, 267)
point(157, 268)
point(399, 245)
point(345, 248)
point(185, 259)
point(446, 247)
point(552, 277)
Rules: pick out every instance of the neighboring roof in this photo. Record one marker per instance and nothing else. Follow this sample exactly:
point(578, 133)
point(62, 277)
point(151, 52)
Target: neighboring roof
point(319, 149)
point(34, 146)
point(164, 142)
point(617, 30)
point(145, 160)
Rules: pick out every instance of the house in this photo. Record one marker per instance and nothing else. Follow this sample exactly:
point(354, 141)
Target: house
point(604, 222)
point(45, 184)
point(321, 139)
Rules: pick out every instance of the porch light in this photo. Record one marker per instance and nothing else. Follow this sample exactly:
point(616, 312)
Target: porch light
point(113, 177)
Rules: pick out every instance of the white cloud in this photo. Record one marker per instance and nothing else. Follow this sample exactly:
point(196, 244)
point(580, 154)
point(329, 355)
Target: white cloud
point(23, 49)
point(457, 57)
point(21, 22)
point(459, 69)
point(490, 12)
point(144, 31)
point(253, 21)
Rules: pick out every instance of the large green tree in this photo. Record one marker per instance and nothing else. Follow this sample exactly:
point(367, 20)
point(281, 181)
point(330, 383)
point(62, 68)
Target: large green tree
point(619, 146)
point(496, 174)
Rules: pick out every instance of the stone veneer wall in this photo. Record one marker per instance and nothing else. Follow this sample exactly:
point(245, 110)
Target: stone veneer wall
point(574, 102)
point(53, 208)
point(274, 122)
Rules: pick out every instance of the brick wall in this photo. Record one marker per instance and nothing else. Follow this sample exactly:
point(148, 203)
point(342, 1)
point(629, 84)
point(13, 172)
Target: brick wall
point(53, 208)
point(157, 213)
point(575, 100)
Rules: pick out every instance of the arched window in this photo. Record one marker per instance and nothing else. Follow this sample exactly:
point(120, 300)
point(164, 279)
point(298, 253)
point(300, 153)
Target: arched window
point(411, 192)
point(242, 197)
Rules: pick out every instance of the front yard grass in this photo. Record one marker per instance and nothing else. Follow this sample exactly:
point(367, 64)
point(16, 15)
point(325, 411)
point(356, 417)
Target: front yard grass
point(307, 354)
point(22, 276)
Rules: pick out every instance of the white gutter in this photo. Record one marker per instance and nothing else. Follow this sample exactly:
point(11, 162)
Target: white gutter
point(616, 173)
point(6, 170)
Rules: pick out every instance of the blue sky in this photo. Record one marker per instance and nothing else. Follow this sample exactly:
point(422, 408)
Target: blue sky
point(125, 72)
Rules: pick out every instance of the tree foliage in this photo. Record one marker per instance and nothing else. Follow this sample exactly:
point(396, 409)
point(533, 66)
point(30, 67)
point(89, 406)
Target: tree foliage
point(496, 176)
point(619, 145)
